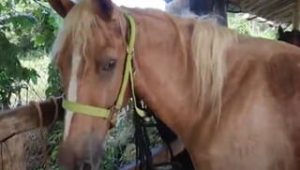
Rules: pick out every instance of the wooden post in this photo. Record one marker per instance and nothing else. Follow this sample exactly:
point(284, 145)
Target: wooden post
point(296, 23)
point(13, 153)
point(26, 118)
point(13, 124)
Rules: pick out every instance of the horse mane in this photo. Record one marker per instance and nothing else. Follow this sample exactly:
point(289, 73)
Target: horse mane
point(209, 46)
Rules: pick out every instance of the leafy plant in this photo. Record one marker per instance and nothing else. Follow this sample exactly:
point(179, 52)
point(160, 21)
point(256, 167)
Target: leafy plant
point(250, 27)
point(13, 76)
point(53, 142)
point(54, 82)
point(54, 138)
point(25, 26)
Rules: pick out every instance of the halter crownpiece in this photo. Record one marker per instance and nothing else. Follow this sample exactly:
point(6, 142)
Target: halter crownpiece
point(127, 78)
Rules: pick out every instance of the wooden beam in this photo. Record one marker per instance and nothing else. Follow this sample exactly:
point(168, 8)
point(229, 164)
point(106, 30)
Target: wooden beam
point(296, 23)
point(26, 118)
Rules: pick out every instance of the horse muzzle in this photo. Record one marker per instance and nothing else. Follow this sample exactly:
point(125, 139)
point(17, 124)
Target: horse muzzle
point(85, 154)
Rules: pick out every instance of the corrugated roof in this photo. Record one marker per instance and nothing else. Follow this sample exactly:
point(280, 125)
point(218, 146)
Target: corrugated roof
point(280, 11)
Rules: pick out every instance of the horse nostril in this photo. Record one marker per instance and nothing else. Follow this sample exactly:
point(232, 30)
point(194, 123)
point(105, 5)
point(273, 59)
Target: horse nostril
point(86, 166)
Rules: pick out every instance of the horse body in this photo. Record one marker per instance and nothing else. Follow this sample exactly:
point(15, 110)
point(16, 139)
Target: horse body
point(232, 100)
point(254, 130)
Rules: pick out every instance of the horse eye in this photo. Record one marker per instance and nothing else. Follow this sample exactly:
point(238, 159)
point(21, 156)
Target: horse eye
point(109, 65)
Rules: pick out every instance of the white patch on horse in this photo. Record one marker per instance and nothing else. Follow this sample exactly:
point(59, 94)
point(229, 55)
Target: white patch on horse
point(72, 92)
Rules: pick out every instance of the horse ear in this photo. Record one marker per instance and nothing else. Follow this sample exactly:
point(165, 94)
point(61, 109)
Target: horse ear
point(62, 7)
point(106, 8)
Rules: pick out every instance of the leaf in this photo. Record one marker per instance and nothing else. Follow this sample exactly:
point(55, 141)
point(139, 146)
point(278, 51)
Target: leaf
point(39, 40)
point(19, 20)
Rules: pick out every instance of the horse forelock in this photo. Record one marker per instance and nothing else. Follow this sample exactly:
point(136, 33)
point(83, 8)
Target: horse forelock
point(78, 30)
point(72, 44)
point(209, 44)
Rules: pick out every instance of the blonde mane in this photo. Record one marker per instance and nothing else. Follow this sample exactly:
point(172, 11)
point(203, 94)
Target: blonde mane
point(209, 44)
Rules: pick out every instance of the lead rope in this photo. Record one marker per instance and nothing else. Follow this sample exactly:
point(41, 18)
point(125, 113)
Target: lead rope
point(142, 142)
point(143, 150)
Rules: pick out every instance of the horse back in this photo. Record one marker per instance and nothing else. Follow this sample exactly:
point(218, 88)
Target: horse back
point(279, 62)
point(281, 70)
point(283, 77)
point(262, 90)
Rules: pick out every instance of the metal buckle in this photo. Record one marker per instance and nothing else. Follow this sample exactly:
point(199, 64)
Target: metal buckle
point(112, 119)
point(130, 51)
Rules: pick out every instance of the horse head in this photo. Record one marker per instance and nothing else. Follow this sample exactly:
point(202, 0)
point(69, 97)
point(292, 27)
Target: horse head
point(90, 53)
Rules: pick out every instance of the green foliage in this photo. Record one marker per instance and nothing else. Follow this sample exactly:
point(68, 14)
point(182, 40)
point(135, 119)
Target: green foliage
point(53, 142)
point(25, 26)
point(238, 24)
point(30, 24)
point(54, 138)
point(54, 82)
point(250, 28)
point(13, 76)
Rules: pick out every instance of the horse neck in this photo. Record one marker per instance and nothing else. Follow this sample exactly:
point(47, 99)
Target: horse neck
point(164, 67)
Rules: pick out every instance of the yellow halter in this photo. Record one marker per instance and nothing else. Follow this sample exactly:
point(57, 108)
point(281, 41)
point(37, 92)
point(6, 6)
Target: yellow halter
point(128, 76)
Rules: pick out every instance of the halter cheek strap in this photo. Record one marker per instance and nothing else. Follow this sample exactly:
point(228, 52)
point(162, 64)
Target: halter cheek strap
point(127, 78)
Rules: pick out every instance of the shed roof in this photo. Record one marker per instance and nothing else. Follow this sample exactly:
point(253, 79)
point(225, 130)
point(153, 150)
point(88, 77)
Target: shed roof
point(280, 11)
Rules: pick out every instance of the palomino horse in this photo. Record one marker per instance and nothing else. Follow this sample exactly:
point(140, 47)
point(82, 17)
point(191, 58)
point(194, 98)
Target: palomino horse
point(292, 37)
point(232, 100)
point(162, 155)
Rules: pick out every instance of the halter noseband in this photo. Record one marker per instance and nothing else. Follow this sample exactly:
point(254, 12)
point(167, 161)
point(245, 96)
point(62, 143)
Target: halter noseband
point(128, 76)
